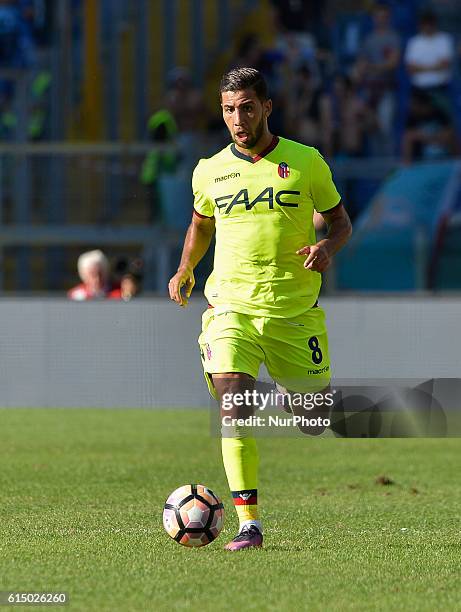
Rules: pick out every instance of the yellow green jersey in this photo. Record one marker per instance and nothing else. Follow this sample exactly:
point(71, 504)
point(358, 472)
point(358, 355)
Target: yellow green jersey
point(263, 209)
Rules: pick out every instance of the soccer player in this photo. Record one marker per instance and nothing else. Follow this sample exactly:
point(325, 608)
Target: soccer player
point(259, 194)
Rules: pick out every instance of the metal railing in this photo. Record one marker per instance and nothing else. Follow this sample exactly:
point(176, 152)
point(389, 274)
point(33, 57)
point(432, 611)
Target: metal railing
point(62, 195)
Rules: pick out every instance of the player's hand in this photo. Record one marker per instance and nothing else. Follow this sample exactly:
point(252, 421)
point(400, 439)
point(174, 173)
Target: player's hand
point(181, 285)
point(318, 257)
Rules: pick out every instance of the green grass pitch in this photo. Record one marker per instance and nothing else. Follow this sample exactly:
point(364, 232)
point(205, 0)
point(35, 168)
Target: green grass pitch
point(81, 502)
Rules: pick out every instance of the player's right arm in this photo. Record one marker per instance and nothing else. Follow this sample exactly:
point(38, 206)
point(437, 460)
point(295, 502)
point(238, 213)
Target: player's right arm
point(196, 244)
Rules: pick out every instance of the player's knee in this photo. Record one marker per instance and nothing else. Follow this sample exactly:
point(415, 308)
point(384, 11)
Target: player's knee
point(234, 390)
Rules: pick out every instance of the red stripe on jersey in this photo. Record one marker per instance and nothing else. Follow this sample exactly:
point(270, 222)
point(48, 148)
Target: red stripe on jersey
point(201, 216)
point(267, 150)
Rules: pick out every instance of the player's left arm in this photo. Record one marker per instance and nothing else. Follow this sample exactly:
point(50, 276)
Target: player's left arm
point(320, 255)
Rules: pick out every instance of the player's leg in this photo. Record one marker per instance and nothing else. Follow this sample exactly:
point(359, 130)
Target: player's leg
point(240, 456)
point(297, 358)
point(231, 359)
point(314, 417)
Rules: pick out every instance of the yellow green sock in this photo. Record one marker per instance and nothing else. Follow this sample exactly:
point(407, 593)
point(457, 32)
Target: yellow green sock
point(240, 456)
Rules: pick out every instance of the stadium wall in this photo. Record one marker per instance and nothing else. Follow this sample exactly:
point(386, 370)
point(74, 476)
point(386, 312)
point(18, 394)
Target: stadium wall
point(145, 354)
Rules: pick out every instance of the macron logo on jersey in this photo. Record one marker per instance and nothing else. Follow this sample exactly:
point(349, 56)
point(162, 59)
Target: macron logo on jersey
point(232, 175)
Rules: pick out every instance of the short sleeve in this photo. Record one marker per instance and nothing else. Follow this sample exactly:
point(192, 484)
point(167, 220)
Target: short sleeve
point(323, 190)
point(202, 204)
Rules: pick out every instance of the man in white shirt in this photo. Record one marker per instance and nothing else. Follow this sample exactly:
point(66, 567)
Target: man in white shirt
point(429, 57)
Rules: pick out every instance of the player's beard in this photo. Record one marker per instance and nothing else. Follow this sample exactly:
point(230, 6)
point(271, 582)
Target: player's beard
point(250, 143)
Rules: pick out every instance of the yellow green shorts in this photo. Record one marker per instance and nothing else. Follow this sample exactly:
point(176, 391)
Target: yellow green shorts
point(294, 351)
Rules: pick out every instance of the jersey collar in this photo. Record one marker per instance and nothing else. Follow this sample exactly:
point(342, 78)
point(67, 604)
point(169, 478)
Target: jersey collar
point(253, 160)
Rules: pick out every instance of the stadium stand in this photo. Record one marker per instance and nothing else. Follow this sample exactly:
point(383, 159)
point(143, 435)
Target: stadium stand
point(122, 64)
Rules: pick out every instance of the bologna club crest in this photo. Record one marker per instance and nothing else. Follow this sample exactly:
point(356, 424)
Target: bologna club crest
point(284, 170)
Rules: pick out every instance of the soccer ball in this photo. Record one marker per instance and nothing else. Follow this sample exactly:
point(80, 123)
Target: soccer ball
point(193, 515)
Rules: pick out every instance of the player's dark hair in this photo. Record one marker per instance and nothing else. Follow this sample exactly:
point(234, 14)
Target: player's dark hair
point(244, 78)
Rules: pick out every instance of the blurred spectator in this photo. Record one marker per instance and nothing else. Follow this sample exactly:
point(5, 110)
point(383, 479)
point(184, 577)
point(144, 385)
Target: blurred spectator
point(376, 68)
point(299, 50)
point(429, 59)
point(38, 110)
point(184, 101)
point(162, 129)
point(38, 15)
point(295, 53)
point(429, 132)
point(296, 15)
point(305, 110)
point(130, 273)
point(8, 119)
point(39, 117)
point(250, 52)
point(349, 26)
point(93, 269)
point(187, 105)
point(17, 48)
point(129, 287)
point(304, 22)
point(347, 120)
